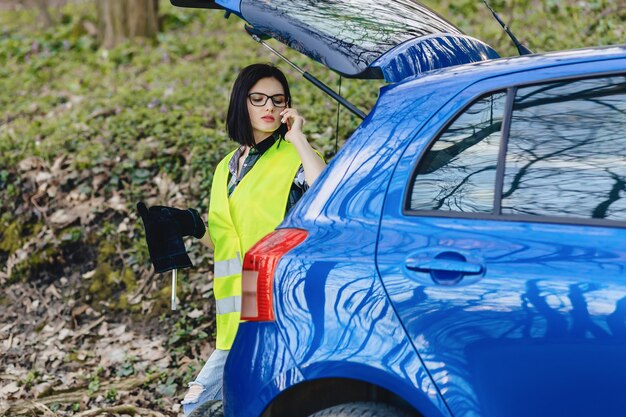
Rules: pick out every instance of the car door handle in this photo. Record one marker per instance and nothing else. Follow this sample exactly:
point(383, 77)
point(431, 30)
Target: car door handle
point(464, 267)
point(445, 266)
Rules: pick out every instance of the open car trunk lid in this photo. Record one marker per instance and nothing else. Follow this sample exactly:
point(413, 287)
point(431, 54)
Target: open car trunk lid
point(389, 39)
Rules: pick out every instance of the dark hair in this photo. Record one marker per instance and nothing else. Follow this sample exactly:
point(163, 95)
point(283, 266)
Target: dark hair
point(238, 119)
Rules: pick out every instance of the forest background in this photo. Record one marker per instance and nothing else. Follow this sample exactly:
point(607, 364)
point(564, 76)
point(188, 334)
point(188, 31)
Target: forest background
point(87, 131)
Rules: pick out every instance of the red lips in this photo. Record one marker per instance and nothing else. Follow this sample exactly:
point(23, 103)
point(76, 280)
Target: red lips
point(269, 119)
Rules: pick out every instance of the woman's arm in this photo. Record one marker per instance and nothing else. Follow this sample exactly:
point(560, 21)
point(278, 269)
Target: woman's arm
point(206, 239)
point(311, 162)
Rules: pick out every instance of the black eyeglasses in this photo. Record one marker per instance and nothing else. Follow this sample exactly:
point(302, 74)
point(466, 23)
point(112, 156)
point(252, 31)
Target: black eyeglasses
point(260, 99)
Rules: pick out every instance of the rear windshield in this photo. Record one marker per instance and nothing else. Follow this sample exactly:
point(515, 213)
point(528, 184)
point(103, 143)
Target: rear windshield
point(372, 24)
point(361, 29)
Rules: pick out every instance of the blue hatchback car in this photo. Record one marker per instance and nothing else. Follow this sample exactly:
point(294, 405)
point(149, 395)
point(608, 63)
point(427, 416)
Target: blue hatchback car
point(464, 254)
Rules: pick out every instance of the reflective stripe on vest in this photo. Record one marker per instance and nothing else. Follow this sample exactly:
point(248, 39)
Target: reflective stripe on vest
point(237, 222)
point(228, 267)
point(228, 305)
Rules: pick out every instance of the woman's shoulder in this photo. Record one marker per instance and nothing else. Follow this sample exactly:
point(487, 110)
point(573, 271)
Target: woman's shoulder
point(227, 158)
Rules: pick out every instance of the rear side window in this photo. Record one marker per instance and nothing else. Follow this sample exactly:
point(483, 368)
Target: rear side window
point(458, 172)
point(566, 152)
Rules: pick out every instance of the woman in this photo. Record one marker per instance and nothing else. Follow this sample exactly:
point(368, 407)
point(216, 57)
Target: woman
point(253, 187)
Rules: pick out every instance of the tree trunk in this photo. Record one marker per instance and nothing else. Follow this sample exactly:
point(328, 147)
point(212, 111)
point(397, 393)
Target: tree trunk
point(44, 12)
point(119, 20)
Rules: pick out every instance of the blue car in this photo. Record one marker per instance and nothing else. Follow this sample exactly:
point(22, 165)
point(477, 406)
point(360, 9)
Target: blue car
point(464, 254)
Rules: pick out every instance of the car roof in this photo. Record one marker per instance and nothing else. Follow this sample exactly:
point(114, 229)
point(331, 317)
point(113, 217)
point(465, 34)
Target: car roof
point(438, 86)
point(469, 73)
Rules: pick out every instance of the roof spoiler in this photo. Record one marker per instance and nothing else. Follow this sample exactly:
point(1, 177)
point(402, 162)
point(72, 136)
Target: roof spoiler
point(196, 4)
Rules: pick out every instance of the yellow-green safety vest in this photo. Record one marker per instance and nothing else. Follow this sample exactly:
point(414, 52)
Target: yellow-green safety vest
point(253, 210)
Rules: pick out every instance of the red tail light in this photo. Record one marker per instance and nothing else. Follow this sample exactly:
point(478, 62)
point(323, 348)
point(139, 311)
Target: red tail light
point(257, 277)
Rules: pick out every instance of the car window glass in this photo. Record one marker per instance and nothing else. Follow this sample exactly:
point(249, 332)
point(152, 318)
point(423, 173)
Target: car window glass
point(567, 150)
point(364, 29)
point(458, 173)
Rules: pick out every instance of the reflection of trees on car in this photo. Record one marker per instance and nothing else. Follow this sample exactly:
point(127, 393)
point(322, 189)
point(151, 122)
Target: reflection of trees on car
point(482, 321)
point(458, 172)
point(362, 28)
point(566, 150)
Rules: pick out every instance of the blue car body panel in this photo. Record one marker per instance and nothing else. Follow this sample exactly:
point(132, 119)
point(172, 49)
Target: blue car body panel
point(547, 311)
point(267, 360)
point(346, 320)
point(349, 321)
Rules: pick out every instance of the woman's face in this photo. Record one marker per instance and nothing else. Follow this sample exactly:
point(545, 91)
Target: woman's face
point(265, 117)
